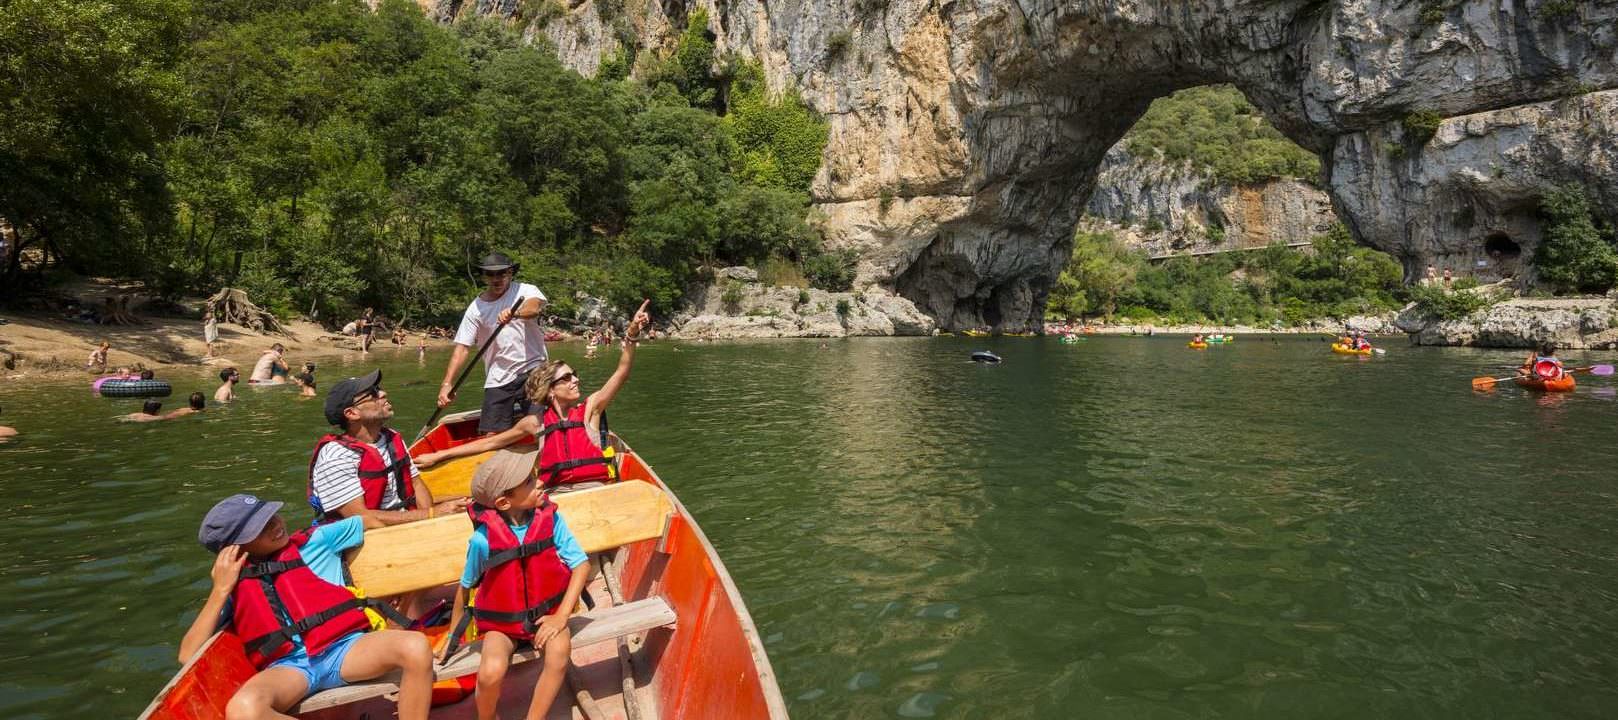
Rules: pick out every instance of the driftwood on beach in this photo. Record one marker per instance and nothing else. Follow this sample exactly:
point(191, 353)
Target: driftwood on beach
point(230, 305)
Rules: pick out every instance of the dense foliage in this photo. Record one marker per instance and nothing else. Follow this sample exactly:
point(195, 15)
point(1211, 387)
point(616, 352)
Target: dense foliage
point(1453, 303)
point(325, 156)
point(1217, 130)
point(1275, 285)
point(1575, 255)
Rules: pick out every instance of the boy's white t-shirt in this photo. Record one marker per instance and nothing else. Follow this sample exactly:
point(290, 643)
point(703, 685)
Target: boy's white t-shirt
point(520, 347)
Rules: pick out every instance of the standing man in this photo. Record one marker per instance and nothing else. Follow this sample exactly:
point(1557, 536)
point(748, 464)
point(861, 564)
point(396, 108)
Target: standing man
point(365, 469)
point(516, 350)
point(271, 367)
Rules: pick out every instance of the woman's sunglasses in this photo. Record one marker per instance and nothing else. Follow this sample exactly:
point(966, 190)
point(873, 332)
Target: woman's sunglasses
point(564, 377)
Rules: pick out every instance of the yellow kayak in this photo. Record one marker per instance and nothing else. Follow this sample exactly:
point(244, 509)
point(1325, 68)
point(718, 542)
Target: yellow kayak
point(1342, 349)
point(975, 333)
point(1197, 345)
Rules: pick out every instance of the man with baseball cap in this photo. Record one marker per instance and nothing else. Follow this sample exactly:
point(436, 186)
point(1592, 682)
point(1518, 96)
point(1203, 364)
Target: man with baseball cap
point(365, 469)
point(516, 349)
point(304, 632)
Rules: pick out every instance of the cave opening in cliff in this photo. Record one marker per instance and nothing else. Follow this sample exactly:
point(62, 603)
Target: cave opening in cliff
point(1501, 246)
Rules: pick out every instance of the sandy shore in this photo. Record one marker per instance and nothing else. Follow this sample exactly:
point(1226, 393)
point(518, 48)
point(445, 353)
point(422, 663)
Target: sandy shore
point(40, 346)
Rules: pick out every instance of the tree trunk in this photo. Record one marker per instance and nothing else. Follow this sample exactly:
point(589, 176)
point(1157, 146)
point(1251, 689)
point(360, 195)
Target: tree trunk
point(232, 306)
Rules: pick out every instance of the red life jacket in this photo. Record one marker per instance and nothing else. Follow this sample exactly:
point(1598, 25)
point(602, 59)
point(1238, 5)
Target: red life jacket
point(1548, 368)
point(282, 598)
point(522, 581)
point(374, 473)
point(566, 454)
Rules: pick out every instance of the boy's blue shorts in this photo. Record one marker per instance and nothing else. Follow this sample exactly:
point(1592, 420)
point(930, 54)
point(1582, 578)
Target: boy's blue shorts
point(323, 671)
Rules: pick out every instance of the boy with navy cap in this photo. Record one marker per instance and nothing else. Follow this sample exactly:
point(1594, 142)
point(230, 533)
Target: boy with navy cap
point(283, 595)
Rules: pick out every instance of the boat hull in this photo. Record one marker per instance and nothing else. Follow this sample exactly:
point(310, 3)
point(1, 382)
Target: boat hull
point(709, 664)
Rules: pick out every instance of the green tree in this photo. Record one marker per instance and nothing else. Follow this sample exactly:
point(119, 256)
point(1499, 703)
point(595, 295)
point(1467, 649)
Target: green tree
point(1574, 256)
point(87, 94)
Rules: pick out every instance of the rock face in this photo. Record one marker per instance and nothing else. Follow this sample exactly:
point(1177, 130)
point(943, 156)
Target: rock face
point(985, 121)
point(1175, 209)
point(737, 306)
point(1522, 323)
point(1466, 200)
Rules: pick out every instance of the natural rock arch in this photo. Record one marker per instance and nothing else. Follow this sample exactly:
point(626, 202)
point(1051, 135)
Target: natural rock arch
point(966, 134)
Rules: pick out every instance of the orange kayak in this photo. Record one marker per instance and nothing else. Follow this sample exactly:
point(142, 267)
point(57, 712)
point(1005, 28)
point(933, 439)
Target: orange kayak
point(1566, 383)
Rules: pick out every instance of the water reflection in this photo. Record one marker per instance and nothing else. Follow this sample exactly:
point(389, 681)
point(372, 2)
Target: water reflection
point(1123, 526)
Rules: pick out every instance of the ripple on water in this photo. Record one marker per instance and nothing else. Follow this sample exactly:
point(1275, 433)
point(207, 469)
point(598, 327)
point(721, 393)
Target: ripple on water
point(922, 705)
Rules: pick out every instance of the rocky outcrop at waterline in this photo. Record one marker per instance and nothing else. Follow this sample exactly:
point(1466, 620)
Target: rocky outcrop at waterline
point(1175, 208)
point(1590, 323)
point(736, 305)
point(965, 136)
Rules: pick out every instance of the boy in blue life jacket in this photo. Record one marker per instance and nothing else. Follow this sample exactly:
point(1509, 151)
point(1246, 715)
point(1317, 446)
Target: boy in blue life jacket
point(529, 571)
point(284, 596)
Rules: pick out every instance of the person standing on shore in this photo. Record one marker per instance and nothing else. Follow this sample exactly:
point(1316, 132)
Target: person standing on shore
point(210, 330)
point(367, 328)
point(98, 358)
point(517, 349)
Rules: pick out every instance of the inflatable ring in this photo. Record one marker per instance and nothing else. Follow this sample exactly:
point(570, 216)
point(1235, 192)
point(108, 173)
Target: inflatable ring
point(984, 356)
point(136, 388)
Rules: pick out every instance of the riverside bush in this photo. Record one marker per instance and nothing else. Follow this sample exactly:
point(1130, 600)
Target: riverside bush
point(333, 156)
point(1335, 278)
point(1448, 304)
point(1575, 255)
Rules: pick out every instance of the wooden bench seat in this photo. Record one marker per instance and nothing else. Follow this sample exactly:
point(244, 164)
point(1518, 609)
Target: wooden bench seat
point(431, 553)
point(599, 625)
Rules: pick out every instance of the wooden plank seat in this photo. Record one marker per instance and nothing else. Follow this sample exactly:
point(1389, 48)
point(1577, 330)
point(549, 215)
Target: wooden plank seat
point(432, 553)
point(599, 625)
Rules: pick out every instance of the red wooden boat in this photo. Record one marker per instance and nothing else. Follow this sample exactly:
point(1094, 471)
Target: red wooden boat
point(669, 637)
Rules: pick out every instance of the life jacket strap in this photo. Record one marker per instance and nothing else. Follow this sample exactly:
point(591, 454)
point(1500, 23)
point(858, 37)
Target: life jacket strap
point(529, 618)
point(275, 638)
point(519, 552)
point(553, 472)
point(559, 426)
point(270, 569)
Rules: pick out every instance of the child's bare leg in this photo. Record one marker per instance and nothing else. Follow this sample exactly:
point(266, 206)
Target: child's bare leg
point(558, 655)
point(492, 664)
point(266, 694)
point(378, 652)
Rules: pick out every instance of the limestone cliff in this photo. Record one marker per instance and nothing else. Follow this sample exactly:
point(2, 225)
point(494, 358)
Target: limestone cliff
point(986, 120)
point(1176, 209)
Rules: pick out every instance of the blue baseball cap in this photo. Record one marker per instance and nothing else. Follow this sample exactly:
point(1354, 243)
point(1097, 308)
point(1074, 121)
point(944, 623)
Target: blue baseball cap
point(235, 520)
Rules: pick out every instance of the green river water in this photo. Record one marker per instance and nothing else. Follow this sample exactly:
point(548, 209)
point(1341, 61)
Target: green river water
point(1122, 528)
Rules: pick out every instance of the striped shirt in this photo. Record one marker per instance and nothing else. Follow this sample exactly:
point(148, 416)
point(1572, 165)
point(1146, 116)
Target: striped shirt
point(337, 477)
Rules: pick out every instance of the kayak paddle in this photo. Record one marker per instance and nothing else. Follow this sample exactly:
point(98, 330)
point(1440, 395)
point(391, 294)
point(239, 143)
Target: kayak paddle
point(468, 369)
point(1485, 383)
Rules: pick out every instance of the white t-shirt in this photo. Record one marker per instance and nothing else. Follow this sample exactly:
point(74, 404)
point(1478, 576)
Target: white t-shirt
point(520, 347)
point(337, 477)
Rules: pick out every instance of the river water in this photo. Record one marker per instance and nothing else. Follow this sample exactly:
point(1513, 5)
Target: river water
point(1118, 528)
